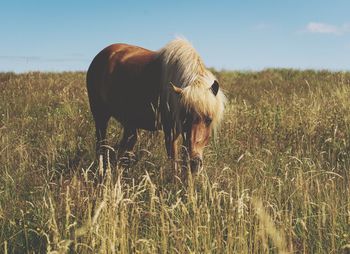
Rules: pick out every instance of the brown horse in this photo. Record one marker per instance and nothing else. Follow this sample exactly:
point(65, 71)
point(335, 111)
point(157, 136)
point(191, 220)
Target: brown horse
point(169, 89)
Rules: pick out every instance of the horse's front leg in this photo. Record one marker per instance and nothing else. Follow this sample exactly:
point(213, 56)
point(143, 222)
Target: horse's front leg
point(171, 141)
point(185, 155)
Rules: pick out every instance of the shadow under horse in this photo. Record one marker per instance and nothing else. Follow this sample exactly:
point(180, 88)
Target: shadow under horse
point(169, 89)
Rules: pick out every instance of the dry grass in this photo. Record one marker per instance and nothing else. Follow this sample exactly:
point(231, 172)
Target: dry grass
point(276, 178)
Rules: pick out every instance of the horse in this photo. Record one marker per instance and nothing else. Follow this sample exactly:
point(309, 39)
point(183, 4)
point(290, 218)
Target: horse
point(169, 89)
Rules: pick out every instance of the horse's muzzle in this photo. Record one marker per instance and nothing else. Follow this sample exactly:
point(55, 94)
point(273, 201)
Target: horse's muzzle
point(196, 164)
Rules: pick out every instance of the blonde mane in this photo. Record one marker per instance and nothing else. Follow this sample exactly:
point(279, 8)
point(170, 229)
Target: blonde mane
point(182, 66)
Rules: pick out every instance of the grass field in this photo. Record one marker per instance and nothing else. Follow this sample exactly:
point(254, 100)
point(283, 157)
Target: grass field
point(276, 178)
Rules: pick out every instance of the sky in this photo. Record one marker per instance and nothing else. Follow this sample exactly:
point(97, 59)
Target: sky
point(43, 35)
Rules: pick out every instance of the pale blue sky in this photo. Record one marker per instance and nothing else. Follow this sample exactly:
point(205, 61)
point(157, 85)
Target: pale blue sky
point(234, 35)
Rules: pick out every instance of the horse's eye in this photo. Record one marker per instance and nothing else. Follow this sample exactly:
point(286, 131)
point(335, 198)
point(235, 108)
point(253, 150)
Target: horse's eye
point(207, 120)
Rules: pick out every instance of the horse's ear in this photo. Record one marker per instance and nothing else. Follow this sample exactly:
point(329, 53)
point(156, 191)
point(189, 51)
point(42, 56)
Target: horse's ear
point(176, 89)
point(215, 88)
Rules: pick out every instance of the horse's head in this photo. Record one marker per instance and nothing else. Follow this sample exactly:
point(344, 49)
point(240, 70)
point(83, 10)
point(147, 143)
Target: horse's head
point(202, 110)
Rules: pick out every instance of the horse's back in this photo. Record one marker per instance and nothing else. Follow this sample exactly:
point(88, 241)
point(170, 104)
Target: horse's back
point(118, 59)
point(125, 80)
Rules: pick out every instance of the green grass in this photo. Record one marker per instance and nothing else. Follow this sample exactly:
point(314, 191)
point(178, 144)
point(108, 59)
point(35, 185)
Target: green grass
point(275, 179)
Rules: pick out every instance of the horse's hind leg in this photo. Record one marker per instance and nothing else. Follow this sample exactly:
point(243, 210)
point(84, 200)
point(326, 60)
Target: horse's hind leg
point(101, 123)
point(127, 144)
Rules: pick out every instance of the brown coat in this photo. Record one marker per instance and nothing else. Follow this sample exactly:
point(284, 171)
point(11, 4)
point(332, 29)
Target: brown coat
point(123, 81)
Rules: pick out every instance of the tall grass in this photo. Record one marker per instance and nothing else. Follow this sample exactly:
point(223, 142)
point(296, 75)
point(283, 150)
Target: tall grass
point(276, 177)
